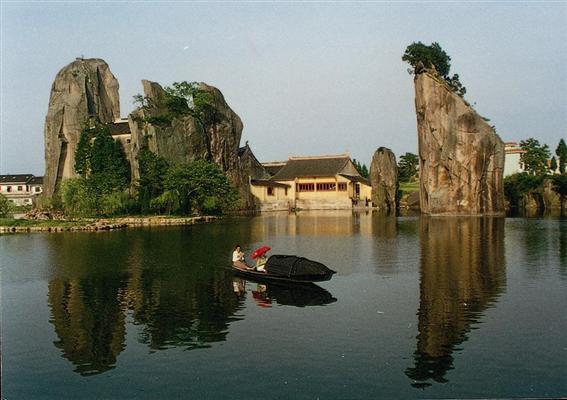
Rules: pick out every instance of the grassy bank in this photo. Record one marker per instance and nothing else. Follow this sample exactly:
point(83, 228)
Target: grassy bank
point(11, 222)
point(409, 187)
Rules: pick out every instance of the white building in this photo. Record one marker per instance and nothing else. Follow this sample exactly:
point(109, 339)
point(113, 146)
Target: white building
point(21, 189)
point(512, 160)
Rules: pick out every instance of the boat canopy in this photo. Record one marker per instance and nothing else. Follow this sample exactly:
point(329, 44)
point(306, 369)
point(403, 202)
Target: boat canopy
point(293, 266)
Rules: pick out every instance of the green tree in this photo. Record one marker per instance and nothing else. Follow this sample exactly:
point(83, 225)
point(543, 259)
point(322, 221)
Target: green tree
point(5, 206)
point(361, 168)
point(421, 56)
point(199, 186)
point(199, 103)
point(103, 171)
point(535, 157)
point(518, 185)
point(553, 164)
point(181, 98)
point(560, 187)
point(364, 171)
point(407, 167)
point(561, 153)
point(153, 170)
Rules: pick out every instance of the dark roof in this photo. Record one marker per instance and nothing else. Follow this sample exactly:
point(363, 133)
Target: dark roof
point(19, 178)
point(273, 168)
point(36, 180)
point(357, 178)
point(242, 150)
point(265, 182)
point(119, 128)
point(311, 166)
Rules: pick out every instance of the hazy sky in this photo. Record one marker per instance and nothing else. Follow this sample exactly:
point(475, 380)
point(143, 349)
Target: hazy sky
point(306, 79)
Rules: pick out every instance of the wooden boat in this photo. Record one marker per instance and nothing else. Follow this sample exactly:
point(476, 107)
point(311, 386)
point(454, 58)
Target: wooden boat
point(292, 269)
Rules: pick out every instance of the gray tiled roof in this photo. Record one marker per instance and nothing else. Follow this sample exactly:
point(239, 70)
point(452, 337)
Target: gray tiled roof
point(119, 128)
point(268, 183)
point(305, 167)
point(16, 178)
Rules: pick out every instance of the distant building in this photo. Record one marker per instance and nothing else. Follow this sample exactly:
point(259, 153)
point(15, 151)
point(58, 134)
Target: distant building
point(512, 158)
point(312, 183)
point(21, 189)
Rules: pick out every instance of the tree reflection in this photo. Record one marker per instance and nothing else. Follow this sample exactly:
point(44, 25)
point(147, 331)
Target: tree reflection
point(173, 289)
point(462, 274)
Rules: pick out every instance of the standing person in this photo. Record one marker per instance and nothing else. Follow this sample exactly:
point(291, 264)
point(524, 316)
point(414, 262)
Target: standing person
point(238, 258)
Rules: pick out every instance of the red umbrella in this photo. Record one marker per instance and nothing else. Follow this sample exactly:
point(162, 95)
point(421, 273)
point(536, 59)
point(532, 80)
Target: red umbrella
point(261, 251)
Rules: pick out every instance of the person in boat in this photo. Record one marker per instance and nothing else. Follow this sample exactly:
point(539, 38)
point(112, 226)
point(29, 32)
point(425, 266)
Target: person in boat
point(261, 263)
point(238, 258)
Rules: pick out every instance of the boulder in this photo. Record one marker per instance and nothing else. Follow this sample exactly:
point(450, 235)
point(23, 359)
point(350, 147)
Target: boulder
point(85, 88)
point(384, 179)
point(461, 156)
point(185, 138)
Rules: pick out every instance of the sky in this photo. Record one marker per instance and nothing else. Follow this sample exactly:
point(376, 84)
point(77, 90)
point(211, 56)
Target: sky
point(305, 78)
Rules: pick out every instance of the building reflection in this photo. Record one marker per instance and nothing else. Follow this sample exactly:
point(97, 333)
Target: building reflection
point(462, 275)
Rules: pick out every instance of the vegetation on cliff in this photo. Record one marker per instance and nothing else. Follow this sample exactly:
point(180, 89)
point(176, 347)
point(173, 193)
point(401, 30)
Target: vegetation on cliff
point(180, 99)
point(422, 57)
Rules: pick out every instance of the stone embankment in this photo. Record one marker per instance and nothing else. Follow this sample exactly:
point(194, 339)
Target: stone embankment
point(108, 224)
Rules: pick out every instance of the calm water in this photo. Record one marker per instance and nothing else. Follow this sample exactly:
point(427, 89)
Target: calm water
point(420, 308)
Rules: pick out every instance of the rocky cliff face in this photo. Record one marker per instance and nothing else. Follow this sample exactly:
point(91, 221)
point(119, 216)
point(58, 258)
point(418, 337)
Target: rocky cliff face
point(384, 179)
point(461, 157)
point(84, 88)
point(185, 138)
point(181, 141)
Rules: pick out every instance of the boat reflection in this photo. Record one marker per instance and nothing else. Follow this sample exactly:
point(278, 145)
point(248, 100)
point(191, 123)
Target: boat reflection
point(462, 275)
point(175, 302)
point(267, 293)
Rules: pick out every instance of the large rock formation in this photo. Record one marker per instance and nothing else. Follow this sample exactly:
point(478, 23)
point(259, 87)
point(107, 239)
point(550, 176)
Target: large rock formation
point(82, 89)
point(461, 156)
point(384, 179)
point(185, 138)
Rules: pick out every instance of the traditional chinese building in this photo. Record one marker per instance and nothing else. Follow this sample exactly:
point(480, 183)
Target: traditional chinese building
point(312, 183)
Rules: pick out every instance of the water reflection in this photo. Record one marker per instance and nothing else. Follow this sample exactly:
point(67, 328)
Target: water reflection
point(462, 274)
point(167, 284)
point(267, 293)
point(89, 321)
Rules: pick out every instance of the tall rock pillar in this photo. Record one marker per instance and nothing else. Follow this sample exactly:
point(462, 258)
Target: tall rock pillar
point(85, 88)
point(384, 179)
point(461, 158)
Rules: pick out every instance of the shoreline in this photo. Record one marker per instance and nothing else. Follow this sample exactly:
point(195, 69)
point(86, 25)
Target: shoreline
point(104, 224)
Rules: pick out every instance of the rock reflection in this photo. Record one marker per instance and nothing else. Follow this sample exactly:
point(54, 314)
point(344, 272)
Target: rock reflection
point(462, 274)
point(166, 284)
point(267, 293)
point(89, 322)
